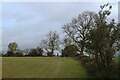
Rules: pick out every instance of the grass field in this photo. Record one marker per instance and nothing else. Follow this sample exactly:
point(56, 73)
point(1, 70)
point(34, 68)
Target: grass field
point(42, 67)
point(117, 59)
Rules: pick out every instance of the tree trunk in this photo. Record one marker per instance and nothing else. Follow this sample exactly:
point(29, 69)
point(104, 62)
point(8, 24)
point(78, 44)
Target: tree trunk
point(82, 49)
point(52, 51)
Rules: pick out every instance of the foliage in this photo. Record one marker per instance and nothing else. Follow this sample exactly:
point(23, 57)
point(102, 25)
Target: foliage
point(33, 52)
point(12, 49)
point(19, 54)
point(36, 52)
point(70, 50)
point(39, 51)
point(104, 41)
point(85, 60)
point(10, 53)
point(12, 46)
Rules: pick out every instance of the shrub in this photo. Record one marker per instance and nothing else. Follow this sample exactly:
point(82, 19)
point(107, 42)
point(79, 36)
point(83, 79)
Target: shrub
point(111, 71)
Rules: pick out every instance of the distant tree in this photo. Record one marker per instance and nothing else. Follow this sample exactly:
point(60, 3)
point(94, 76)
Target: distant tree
point(33, 52)
point(39, 51)
point(50, 54)
point(51, 43)
point(69, 51)
point(19, 53)
point(12, 46)
point(78, 29)
point(9, 53)
point(12, 49)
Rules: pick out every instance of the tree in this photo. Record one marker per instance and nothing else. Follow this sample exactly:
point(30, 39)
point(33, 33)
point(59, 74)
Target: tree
point(78, 29)
point(104, 40)
point(69, 51)
point(51, 43)
point(19, 53)
point(39, 51)
point(33, 52)
point(12, 46)
point(12, 49)
point(36, 52)
point(67, 41)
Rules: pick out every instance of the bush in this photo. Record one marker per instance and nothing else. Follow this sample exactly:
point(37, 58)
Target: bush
point(19, 54)
point(111, 71)
point(85, 60)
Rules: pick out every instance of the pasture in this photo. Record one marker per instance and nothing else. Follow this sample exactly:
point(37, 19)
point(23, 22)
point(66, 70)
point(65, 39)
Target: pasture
point(42, 67)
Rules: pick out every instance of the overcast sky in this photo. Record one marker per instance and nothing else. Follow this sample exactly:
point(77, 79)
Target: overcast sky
point(26, 23)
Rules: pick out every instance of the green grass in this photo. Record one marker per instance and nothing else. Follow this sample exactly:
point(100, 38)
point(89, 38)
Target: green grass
point(117, 59)
point(42, 67)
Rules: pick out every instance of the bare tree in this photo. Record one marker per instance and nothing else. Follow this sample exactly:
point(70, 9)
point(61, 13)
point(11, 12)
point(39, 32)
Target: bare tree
point(79, 28)
point(51, 43)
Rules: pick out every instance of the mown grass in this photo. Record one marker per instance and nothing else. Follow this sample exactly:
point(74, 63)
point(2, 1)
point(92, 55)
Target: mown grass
point(42, 67)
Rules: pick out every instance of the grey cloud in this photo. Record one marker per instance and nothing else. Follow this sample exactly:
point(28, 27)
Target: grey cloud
point(34, 20)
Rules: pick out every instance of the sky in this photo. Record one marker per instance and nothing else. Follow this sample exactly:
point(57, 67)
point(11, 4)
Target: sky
point(26, 23)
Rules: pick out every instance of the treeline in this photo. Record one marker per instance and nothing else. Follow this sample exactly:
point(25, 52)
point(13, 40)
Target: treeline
point(91, 37)
point(19, 53)
point(68, 51)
